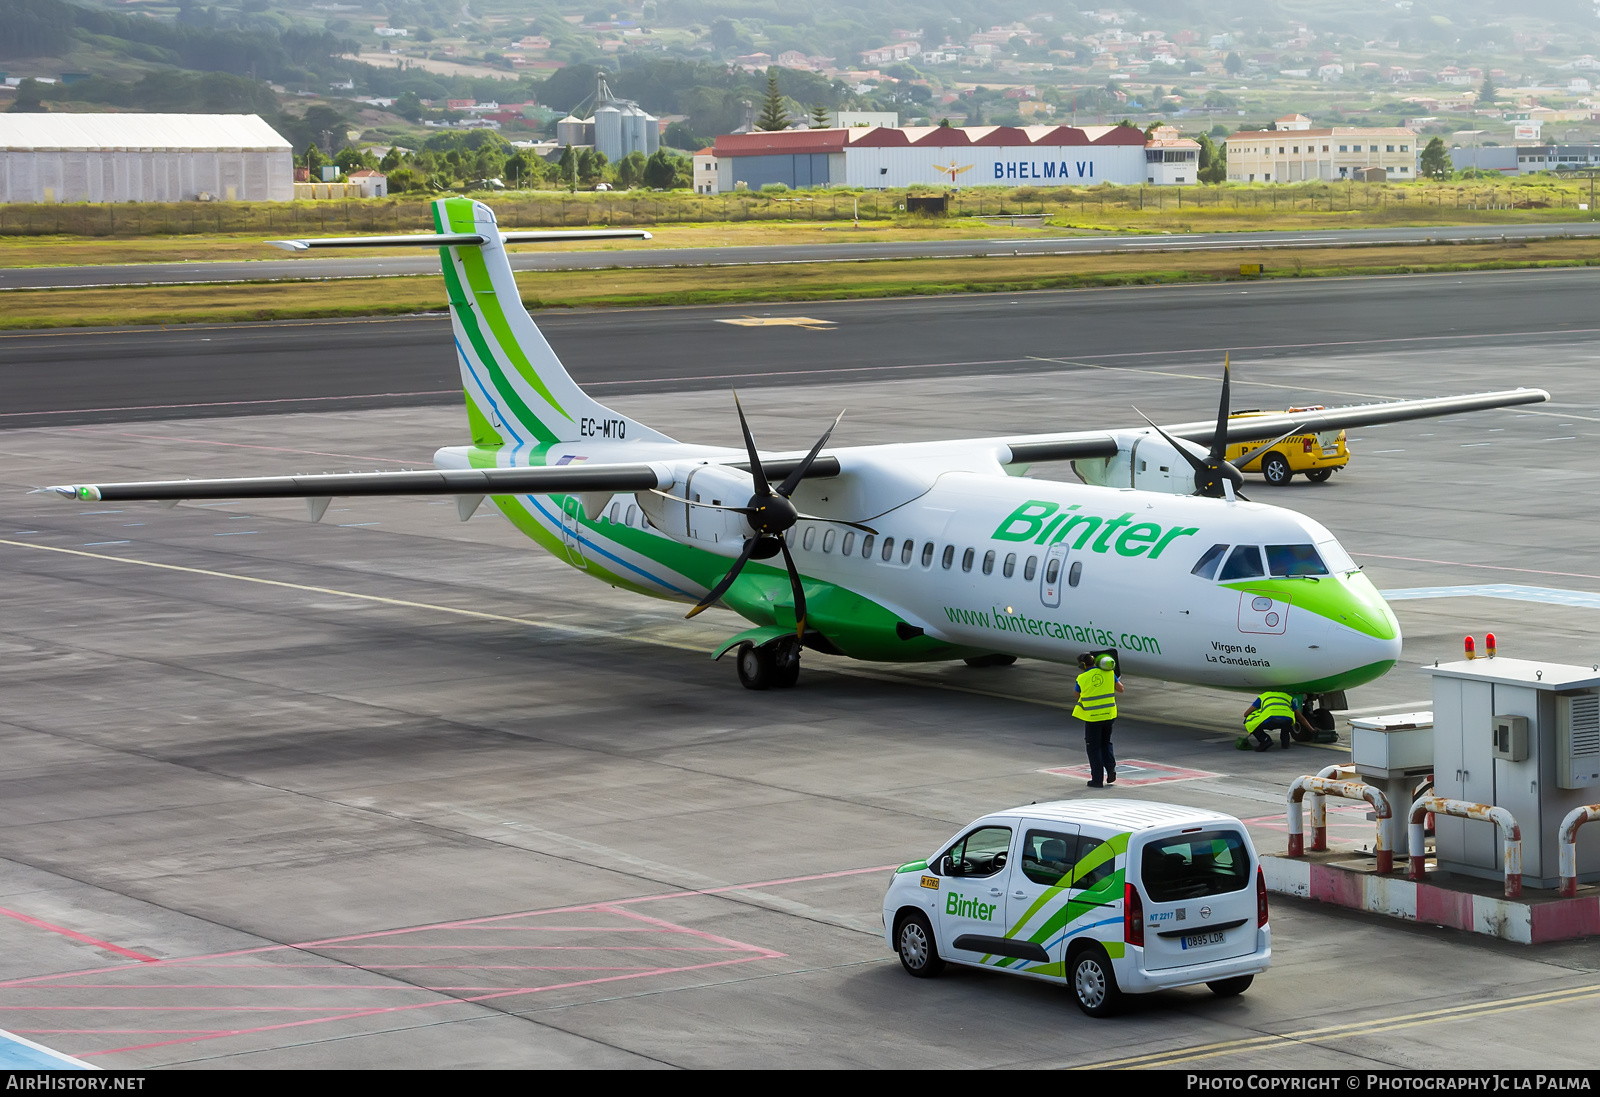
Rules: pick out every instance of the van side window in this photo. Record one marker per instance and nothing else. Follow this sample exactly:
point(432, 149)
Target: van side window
point(1243, 563)
point(1207, 567)
point(1088, 878)
point(981, 853)
point(1047, 856)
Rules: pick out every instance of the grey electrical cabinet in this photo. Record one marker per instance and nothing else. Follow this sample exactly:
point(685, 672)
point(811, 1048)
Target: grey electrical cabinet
point(1522, 735)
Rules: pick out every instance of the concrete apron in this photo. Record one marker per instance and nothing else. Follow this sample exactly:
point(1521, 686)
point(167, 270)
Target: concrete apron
point(1465, 904)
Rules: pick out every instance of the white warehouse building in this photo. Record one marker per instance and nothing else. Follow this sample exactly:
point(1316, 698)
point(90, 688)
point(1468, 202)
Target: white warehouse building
point(143, 158)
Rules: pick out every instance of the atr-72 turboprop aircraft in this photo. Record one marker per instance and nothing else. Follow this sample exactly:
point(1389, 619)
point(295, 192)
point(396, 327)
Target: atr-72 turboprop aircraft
point(904, 552)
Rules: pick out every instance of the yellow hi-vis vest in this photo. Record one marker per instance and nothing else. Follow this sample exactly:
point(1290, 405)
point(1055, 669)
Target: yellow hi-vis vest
point(1272, 704)
point(1097, 697)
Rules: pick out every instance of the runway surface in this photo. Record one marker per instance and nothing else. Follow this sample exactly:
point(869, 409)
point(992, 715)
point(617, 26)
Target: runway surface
point(392, 790)
point(85, 376)
point(427, 262)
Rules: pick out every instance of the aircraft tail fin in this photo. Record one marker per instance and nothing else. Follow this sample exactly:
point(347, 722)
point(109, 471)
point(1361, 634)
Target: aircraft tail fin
point(517, 391)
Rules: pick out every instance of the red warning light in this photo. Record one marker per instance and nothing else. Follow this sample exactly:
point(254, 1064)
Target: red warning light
point(1488, 644)
point(1472, 652)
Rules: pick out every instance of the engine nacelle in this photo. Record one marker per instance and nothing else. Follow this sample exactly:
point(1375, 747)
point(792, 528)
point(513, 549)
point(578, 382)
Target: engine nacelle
point(723, 532)
point(1144, 460)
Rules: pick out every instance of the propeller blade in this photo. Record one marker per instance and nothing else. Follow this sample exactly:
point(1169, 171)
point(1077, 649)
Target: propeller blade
point(799, 591)
point(727, 580)
point(862, 526)
point(757, 473)
point(792, 481)
point(1219, 438)
point(1257, 452)
point(709, 506)
point(1194, 462)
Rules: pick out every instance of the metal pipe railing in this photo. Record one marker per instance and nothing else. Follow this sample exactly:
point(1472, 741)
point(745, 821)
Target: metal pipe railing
point(1510, 832)
point(1348, 790)
point(1319, 807)
point(1568, 844)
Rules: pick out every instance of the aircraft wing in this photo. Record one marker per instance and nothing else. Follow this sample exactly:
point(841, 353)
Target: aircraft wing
point(544, 480)
point(1085, 444)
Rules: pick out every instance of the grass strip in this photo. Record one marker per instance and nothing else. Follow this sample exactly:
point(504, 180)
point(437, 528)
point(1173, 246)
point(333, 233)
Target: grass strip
point(797, 282)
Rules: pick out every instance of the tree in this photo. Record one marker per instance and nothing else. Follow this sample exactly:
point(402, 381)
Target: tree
point(681, 136)
point(568, 165)
point(352, 159)
point(661, 170)
point(30, 98)
point(1435, 163)
point(1234, 64)
point(1486, 92)
point(774, 115)
point(630, 169)
point(314, 161)
point(1213, 161)
point(819, 116)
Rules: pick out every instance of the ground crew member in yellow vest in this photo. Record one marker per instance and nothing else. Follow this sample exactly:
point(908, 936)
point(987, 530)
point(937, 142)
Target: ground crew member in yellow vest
point(1272, 711)
point(1098, 686)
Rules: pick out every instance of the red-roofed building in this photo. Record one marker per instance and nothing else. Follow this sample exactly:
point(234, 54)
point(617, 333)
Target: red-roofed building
point(880, 156)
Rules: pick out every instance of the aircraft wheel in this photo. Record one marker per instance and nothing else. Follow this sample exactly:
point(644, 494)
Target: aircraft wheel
point(989, 660)
point(785, 664)
point(1319, 476)
point(1275, 467)
point(755, 667)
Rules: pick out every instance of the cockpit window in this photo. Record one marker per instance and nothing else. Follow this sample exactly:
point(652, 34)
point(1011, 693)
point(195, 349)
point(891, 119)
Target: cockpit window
point(1334, 555)
point(1294, 560)
point(1243, 563)
point(1207, 567)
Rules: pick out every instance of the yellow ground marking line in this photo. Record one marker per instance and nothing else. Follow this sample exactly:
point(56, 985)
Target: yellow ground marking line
point(1357, 1028)
point(779, 322)
point(576, 630)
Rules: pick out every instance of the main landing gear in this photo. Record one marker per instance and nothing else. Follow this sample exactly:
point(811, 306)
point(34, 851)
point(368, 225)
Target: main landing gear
point(774, 665)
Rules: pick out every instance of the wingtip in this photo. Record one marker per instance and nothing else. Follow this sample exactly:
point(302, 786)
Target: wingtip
point(290, 245)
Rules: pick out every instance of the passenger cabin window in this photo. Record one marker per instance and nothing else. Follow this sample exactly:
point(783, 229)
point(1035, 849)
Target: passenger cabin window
point(627, 519)
point(949, 557)
point(849, 543)
point(866, 547)
point(1075, 573)
point(888, 549)
point(1052, 571)
point(1030, 568)
point(1243, 563)
point(981, 853)
point(1010, 566)
point(966, 560)
point(1289, 560)
point(1193, 866)
point(1047, 857)
point(827, 541)
point(1207, 567)
point(905, 551)
point(616, 513)
point(927, 554)
point(809, 539)
point(988, 562)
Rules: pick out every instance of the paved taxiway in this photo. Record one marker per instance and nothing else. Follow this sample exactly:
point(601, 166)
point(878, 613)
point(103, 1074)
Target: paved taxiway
point(67, 376)
point(396, 791)
point(541, 257)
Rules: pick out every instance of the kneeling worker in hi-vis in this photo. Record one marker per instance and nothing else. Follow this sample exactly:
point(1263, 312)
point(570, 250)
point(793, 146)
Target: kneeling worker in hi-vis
point(1098, 686)
point(1273, 711)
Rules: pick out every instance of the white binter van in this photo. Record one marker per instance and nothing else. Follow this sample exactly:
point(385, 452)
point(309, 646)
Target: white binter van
point(1111, 897)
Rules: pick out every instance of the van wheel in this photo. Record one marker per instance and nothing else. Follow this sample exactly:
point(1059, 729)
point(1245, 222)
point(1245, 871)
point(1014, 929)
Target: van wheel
point(1318, 476)
point(1275, 467)
point(1227, 988)
point(1094, 984)
point(914, 942)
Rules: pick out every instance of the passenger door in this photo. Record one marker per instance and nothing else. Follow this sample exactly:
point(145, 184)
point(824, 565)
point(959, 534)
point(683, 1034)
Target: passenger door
point(1040, 888)
point(1053, 576)
point(973, 913)
point(1199, 897)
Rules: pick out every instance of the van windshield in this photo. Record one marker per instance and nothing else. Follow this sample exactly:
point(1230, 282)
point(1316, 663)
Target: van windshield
point(1192, 866)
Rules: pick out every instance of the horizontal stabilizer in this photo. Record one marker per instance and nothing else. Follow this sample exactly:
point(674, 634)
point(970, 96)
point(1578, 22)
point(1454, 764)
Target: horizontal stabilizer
point(457, 239)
